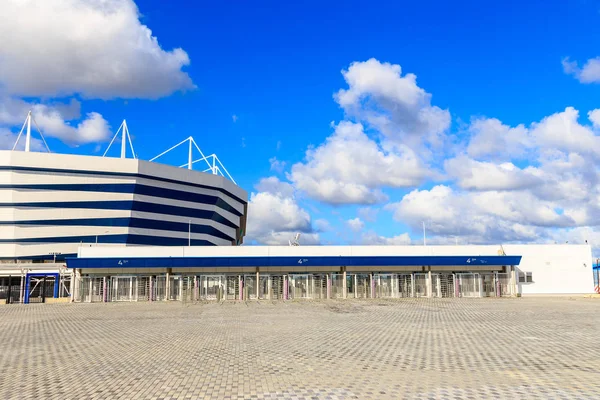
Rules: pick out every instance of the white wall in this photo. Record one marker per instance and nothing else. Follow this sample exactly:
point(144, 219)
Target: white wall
point(556, 269)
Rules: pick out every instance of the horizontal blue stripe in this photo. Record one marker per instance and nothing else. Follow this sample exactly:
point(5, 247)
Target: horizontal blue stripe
point(347, 261)
point(115, 239)
point(130, 205)
point(127, 222)
point(131, 188)
point(121, 174)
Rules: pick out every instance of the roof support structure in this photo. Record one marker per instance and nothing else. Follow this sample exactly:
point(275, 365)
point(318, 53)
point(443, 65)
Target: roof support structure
point(27, 124)
point(214, 165)
point(125, 137)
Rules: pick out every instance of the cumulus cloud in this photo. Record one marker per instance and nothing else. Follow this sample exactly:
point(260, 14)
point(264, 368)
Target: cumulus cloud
point(52, 123)
point(351, 168)
point(392, 103)
point(355, 224)
point(491, 138)
point(274, 215)
point(477, 175)
point(97, 49)
point(589, 73)
point(372, 238)
point(8, 139)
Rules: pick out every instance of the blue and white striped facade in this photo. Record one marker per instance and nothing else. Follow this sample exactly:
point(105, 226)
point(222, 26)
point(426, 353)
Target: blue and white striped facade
point(53, 203)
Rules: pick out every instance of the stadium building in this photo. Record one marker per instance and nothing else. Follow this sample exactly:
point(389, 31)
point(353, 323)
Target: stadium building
point(100, 229)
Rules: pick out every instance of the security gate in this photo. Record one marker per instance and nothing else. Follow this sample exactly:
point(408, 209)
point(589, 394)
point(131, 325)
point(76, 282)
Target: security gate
point(488, 286)
point(92, 289)
point(384, 285)
point(232, 288)
point(420, 285)
point(404, 286)
point(40, 287)
point(277, 289)
point(211, 287)
point(250, 287)
point(320, 286)
point(337, 286)
point(503, 285)
point(362, 286)
point(159, 288)
point(443, 285)
point(469, 285)
point(300, 286)
point(143, 288)
point(123, 288)
point(263, 287)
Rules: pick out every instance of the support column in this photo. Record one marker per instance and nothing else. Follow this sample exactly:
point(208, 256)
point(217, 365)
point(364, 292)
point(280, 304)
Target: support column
point(104, 296)
point(22, 289)
point(91, 288)
point(355, 286)
point(151, 288)
point(429, 285)
point(328, 287)
point(345, 285)
point(168, 284)
point(513, 280)
point(257, 284)
point(412, 285)
point(241, 288)
point(372, 285)
point(456, 286)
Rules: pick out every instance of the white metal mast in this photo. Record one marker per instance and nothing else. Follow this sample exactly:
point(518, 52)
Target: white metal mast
point(215, 166)
point(27, 124)
point(125, 138)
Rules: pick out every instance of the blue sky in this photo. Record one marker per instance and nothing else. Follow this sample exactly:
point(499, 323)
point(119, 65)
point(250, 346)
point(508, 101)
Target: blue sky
point(277, 68)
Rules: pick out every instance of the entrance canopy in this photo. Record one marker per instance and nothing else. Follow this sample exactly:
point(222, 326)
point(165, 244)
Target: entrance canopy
point(295, 261)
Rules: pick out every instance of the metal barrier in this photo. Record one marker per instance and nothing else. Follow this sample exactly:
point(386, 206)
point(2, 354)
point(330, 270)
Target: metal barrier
point(232, 287)
point(488, 285)
point(404, 286)
point(420, 285)
point(503, 284)
point(443, 285)
point(250, 287)
point(277, 287)
point(469, 285)
point(300, 286)
point(336, 284)
point(384, 285)
point(319, 286)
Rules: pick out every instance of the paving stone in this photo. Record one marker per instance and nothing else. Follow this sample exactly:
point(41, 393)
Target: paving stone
point(546, 348)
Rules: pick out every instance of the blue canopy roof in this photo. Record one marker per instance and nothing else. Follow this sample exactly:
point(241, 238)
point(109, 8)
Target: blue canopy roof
point(317, 261)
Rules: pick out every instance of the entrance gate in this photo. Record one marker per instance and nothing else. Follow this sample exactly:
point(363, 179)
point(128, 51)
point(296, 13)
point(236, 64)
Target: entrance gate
point(250, 287)
point(420, 285)
point(300, 286)
point(503, 284)
point(469, 285)
point(38, 287)
point(337, 286)
point(320, 286)
point(211, 287)
point(384, 285)
point(404, 285)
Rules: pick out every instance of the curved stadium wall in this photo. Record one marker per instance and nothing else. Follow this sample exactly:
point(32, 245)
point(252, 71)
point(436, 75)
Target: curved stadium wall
point(53, 203)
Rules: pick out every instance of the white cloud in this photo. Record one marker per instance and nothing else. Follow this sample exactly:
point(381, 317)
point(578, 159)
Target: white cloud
point(594, 117)
point(477, 175)
point(98, 49)
point(355, 224)
point(52, 123)
point(561, 131)
point(234, 118)
point(393, 104)
point(350, 168)
point(490, 137)
point(277, 165)
point(590, 73)
point(484, 217)
point(371, 238)
point(274, 186)
point(274, 216)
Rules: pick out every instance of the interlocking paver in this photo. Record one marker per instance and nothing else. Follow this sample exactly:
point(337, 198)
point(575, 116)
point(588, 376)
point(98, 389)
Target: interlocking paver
point(546, 348)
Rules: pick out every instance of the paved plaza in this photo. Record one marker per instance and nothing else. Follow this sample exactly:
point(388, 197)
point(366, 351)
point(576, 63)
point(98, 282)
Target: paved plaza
point(545, 348)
